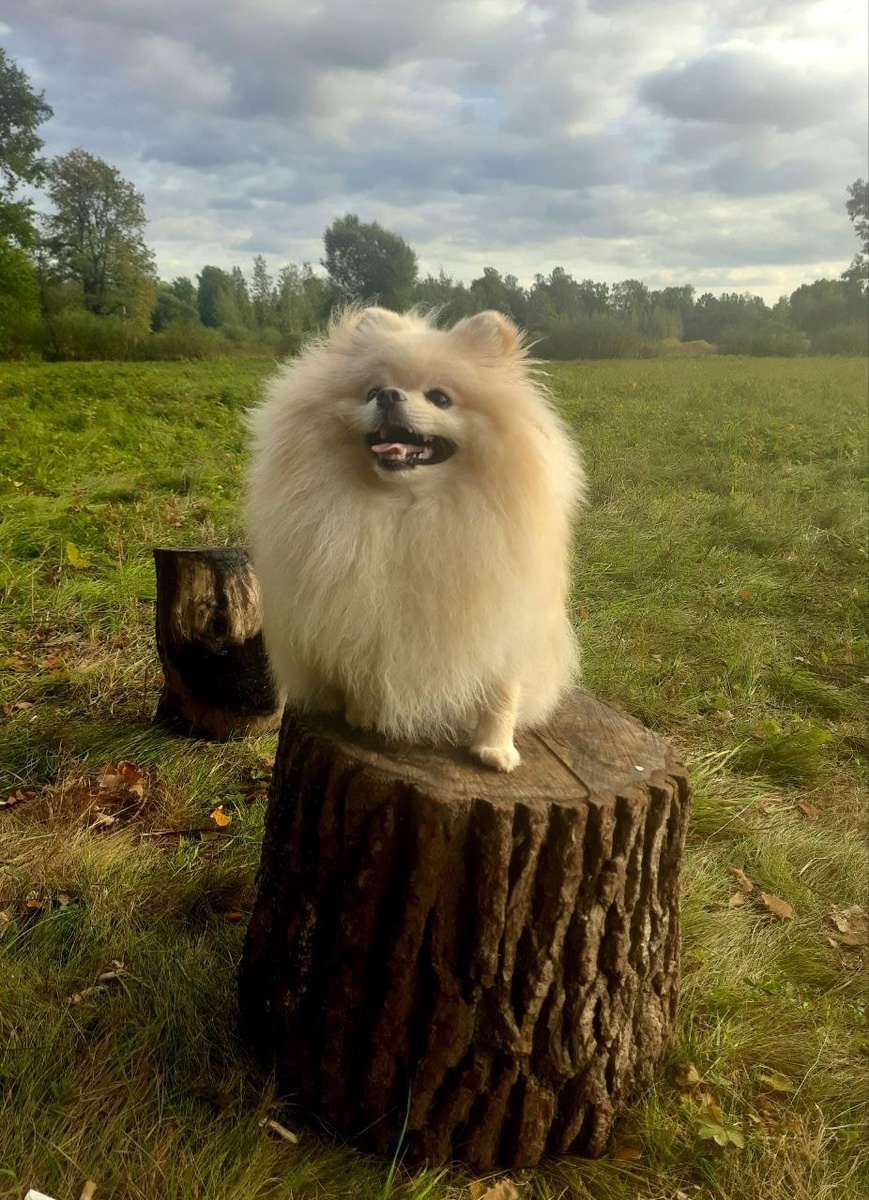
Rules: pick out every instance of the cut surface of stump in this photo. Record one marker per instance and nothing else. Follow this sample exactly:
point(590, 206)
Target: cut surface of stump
point(217, 680)
point(490, 961)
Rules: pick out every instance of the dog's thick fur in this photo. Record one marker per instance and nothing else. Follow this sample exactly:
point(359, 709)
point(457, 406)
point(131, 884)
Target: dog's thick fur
point(427, 602)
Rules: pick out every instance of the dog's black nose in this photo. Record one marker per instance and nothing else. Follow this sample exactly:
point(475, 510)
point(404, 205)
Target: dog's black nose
point(386, 397)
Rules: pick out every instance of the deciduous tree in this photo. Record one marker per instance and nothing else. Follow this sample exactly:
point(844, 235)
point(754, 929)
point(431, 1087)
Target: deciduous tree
point(368, 263)
point(858, 213)
point(96, 236)
point(22, 111)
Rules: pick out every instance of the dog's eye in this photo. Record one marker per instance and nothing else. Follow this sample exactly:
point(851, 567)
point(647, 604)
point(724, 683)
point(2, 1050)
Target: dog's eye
point(372, 392)
point(438, 398)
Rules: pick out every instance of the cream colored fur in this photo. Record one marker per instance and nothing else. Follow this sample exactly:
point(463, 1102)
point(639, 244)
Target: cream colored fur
point(428, 603)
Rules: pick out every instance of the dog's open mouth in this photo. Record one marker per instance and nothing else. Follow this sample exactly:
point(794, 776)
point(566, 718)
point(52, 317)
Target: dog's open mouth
point(397, 448)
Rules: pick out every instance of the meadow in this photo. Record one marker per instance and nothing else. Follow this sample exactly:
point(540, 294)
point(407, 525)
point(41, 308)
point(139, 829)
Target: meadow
point(720, 596)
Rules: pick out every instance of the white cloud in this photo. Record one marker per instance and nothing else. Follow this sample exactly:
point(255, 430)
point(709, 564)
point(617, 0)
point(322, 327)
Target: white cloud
point(710, 143)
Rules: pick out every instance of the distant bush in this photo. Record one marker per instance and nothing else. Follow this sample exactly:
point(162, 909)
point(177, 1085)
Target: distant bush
point(673, 348)
point(848, 337)
point(599, 335)
point(76, 335)
point(20, 320)
point(767, 339)
point(180, 340)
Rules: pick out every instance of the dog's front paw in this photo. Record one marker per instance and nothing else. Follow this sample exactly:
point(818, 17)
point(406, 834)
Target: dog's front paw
point(499, 758)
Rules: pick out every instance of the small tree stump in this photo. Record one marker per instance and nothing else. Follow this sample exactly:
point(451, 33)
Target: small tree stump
point(217, 680)
point(492, 959)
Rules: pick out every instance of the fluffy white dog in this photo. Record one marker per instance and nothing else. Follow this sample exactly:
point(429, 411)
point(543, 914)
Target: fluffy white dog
point(411, 496)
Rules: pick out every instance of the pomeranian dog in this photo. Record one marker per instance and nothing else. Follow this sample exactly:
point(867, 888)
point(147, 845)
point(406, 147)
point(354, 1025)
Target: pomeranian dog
point(411, 497)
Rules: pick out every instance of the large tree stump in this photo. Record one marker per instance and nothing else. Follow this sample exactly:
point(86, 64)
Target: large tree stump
point(217, 680)
point(492, 959)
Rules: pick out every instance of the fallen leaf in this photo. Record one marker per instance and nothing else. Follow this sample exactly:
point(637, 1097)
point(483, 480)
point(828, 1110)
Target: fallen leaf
point(776, 1082)
point(852, 926)
point(219, 817)
point(687, 1075)
point(75, 558)
point(504, 1189)
point(102, 821)
point(809, 810)
point(736, 900)
point(742, 881)
point(19, 796)
point(720, 1133)
point(132, 777)
point(627, 1154)
point(778, 907)
point(233, 918)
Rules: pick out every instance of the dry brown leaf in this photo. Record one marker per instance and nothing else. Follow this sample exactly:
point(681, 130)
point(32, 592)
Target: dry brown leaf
point(809, 810)
point(504, 1189)
point(736, 900)
point(221, 818)
point(19, 796)
point(132, 777)
point(627, 1154)
point(742, 881)
point(852, 926)
point(102, 821)
point(110, 778)
point(778, 907)
point(687, 1075)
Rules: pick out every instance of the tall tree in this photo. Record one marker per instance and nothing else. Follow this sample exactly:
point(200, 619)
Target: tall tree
point(243, 307)
point(96, 236)
point(858, 213)
point(368, 263)
point(301, 302)
point(22, 111)
point(262, 293)
point(215, 291)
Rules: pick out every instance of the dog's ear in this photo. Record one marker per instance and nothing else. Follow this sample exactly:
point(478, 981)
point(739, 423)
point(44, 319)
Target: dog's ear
point(372, 318)
point(489, 333)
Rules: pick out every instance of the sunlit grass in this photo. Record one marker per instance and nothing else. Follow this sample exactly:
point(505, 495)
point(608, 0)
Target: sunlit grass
point(720, 597)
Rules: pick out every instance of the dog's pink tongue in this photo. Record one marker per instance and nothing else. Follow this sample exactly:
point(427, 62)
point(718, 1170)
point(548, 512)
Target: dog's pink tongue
point(396, 449)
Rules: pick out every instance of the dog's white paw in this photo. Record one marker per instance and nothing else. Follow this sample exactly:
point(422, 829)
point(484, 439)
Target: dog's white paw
point(499, 758)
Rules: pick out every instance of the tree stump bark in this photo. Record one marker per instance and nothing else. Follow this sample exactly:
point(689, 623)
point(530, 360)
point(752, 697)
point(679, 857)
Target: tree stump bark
point(489, 961)
point(217, 680)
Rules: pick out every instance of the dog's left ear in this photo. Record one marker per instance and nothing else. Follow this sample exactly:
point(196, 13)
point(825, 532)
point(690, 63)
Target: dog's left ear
point(374, 317)
point(489, 333)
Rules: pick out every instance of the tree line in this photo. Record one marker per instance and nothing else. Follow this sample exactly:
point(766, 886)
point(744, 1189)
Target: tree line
point(80, 281)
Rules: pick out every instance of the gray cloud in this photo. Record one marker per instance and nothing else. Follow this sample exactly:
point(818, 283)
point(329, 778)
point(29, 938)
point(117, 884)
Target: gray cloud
point(744, 86)
point(520, 134)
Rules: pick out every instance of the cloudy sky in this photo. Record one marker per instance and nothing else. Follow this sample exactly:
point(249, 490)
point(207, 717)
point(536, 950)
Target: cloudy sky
point(702, 141)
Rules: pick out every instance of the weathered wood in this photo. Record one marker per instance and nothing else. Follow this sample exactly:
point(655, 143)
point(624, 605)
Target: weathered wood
point(217, 680)
point(493, 958)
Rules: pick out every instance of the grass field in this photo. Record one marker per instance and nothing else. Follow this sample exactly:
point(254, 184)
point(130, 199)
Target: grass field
point(721, 597)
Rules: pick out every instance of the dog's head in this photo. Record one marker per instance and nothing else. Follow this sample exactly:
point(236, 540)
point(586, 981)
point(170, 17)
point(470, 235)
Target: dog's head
point(417, 400)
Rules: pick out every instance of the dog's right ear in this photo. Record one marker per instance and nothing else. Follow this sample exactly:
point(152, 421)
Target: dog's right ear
point(489, 333)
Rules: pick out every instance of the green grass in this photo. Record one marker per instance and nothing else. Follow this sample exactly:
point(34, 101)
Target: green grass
point(720, 596)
